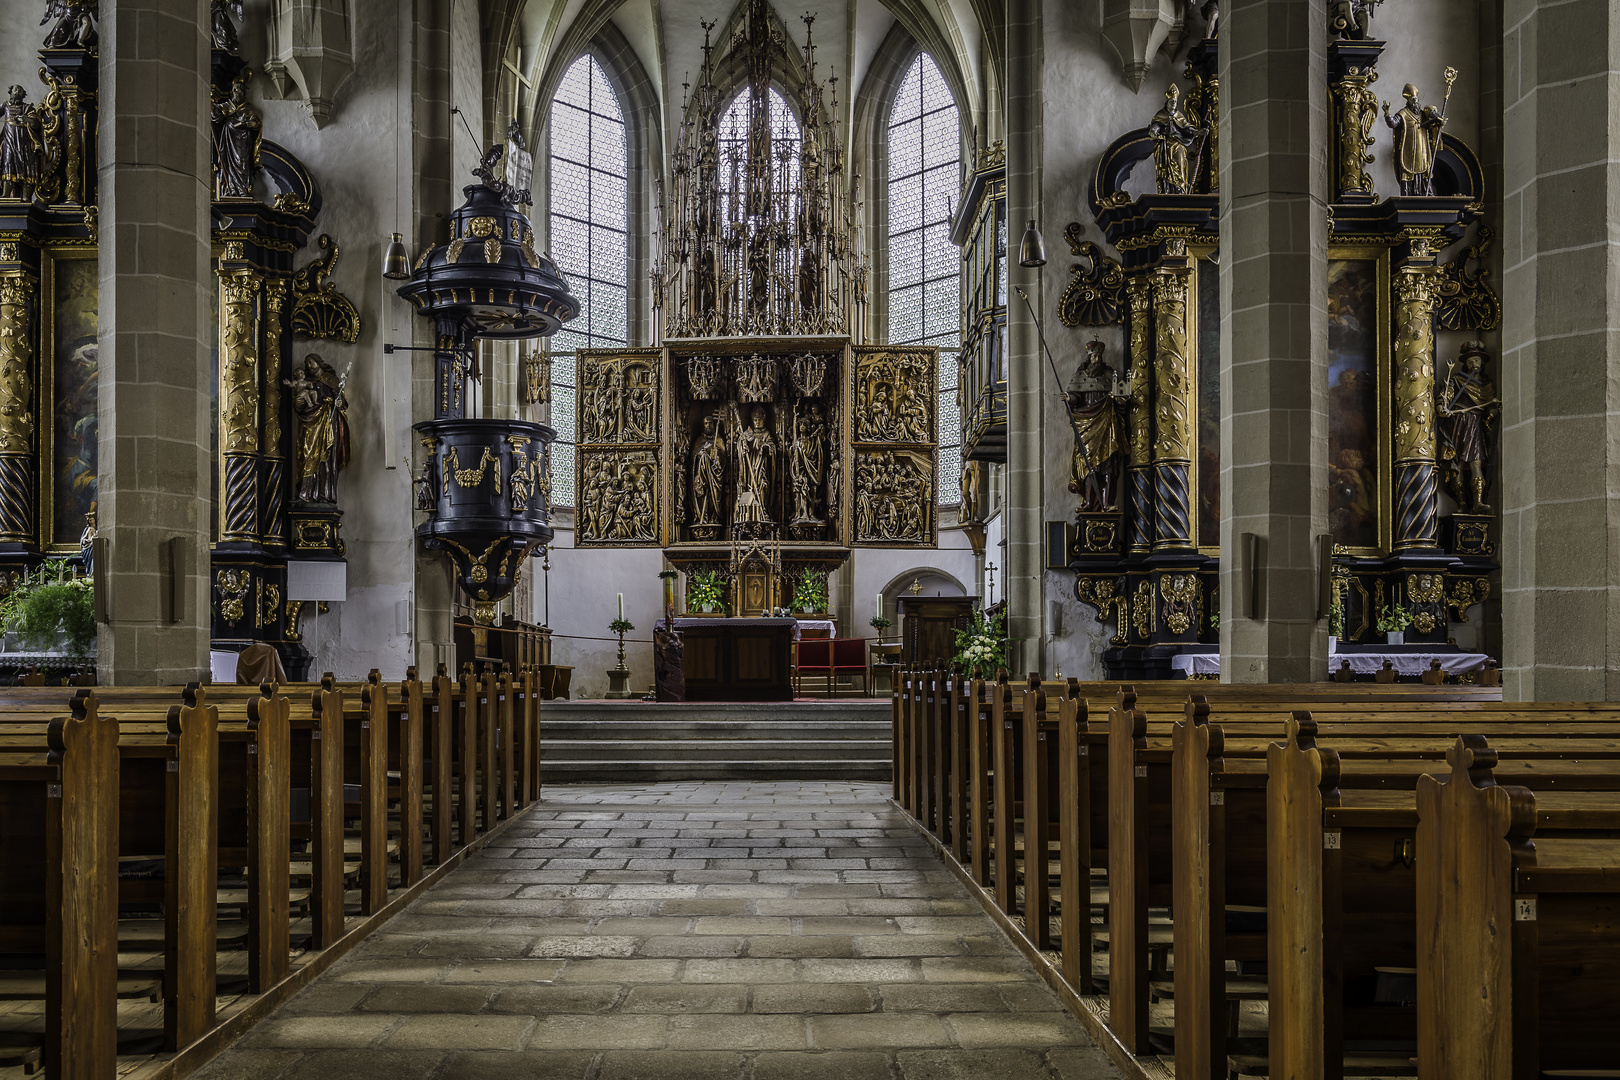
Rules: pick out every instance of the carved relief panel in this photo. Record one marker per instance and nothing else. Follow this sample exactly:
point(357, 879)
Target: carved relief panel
point(893, 466)
point(620, 432)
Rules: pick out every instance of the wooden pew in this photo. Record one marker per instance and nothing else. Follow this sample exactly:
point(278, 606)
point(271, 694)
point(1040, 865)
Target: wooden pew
point(1340, 904)
point(1518, 968)
point(59, 886)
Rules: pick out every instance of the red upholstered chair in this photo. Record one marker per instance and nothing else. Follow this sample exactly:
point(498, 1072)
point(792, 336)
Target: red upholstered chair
point(815, 658)
point(849, 658)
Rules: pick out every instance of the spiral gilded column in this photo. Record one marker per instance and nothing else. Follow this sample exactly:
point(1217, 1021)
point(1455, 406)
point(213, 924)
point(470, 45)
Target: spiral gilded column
point(1172, 412)
point(273, 477)
point(1139, 418)
point(1416, 479)
point(17, 291)
point(239, 406)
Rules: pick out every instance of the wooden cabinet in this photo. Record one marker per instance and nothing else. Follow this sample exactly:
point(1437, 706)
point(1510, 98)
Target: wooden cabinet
point(928, 626)
point(738, 659)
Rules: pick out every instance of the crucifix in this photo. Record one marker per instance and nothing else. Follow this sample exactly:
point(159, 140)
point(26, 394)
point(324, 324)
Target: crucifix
point(520, 81)
point(990, 569)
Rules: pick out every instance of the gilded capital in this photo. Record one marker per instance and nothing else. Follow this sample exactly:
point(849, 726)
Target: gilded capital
point(1414, 363)
point(16, 364)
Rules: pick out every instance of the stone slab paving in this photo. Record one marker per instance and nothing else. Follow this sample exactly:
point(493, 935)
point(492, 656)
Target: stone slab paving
point(724, 931)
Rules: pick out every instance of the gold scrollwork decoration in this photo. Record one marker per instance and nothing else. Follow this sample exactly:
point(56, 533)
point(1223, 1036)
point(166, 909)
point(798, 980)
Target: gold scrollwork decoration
point(471, 478)
point(233, 589)
point(272, 604)
point(1172, 371)
point(239, 362)
point(1142, 615)
point(1465, 593)
point(1464, 300)
point(1107, 596)
point(1414, 364)
point(1180, 594)
point(319, 310)
point(1094, 295)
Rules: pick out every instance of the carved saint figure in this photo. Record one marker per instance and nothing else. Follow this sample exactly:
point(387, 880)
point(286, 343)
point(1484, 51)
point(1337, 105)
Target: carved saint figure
point(1417, 138)
point(19, 146)
point(1173, 136)
point(1468, 409)
point(221, 27)
point(709, 474)
point(238, 132)
point(87, 541)
point(756, 465)
point(75, 24)
point(323, 429)
point(638, 412)
point(1098, 414)
point(427, 497)
point(1351, 18)
point(807, 459)
point(968, 510)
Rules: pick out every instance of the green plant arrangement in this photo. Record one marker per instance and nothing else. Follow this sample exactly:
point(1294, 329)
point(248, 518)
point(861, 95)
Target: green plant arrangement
point(621, 626)
point(880, 624)
point(810, 593)
point(1336, 616)
point(50, 610)
point(1394, 619)
point(981, 649)
point(704, 591)
point(1215, 621)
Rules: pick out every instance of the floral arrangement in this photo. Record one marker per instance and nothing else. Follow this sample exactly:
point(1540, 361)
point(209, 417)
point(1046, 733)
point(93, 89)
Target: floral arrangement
point(810, 593)
point(704, 591)
point(981, 650)
point(621, 626)
point(51, 607)
point(1394, 619)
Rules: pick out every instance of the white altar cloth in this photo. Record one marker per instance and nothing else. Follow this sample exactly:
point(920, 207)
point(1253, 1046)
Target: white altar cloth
point(1362, 663)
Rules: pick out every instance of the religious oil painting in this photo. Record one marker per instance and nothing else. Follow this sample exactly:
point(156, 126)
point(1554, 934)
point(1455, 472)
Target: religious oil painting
point(1209, 402)
point(76, 373)
point(1353, 402)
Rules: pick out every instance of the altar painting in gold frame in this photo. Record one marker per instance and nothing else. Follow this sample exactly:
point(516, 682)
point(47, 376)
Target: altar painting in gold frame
point(71, 375)
point(1358, 395)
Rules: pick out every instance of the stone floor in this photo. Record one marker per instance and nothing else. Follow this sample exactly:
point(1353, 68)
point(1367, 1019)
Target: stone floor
point(766, 931)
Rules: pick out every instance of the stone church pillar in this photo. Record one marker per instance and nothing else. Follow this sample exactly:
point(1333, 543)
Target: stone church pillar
point(155, 439)
point(1027, 394)
point(1274, 225)
point(1560, 443)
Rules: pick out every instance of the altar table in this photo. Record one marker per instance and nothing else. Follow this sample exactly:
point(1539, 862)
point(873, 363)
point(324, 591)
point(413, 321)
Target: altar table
point(737, 659)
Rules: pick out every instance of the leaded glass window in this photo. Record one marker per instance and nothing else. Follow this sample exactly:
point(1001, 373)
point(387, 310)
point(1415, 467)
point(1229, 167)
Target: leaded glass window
point(589, 221)
point(733, 132)
point(925, 152)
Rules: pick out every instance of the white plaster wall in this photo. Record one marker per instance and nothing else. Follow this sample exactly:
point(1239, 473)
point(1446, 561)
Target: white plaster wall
point(944, 571)
point(583, 586)
point(1424, 38)
point(21, 35)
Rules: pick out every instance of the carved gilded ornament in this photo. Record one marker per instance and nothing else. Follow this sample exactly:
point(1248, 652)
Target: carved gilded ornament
point(1096, 293)
point(471, 478)
point(1105, 596)
point(1414, 364)
point(233, 590)
point(1140, 294)
point(239, 363)
point(319, 310)
point(1172, 370)
point(1142, 609)
point(275, 295)
point(1181, 601)
point(1466, 301)
point(16, 364)
point(1465, 593)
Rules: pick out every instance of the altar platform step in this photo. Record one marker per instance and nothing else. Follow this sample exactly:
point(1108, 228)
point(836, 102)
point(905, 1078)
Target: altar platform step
point(589, 742)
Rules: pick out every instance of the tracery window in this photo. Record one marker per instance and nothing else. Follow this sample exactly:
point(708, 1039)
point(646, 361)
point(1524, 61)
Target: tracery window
point(925, 179)
point(785, 139)
point(589, 226)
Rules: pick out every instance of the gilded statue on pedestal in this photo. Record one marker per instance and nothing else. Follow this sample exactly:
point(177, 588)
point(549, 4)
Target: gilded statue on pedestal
point(75, 24)
point(756, 465)
point(20, 146)
point(1351, 18)
point(238, 132)
point(1097, 409)
point(1173, 137)
point(1468, 410)
point(323, 429)
point(1417, 138)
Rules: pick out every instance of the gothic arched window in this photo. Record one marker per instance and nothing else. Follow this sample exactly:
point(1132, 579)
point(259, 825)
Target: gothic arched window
point(733, 132)
point(589, 229)
point(925, 180)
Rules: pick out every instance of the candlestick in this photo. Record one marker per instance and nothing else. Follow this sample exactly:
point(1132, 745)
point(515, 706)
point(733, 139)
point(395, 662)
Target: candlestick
point(621, 606)
point(880, 605)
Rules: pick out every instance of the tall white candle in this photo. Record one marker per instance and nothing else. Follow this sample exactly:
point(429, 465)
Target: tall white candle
point(621, 607)
point(880, 605)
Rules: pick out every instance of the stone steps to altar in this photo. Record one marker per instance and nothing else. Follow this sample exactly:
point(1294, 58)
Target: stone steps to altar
point(587, 742)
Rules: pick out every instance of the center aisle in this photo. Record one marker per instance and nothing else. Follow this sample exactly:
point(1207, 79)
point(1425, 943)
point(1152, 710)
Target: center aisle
point(761, 931)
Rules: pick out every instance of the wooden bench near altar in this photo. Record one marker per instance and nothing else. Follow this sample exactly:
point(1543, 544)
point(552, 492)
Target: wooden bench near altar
point(737, 659)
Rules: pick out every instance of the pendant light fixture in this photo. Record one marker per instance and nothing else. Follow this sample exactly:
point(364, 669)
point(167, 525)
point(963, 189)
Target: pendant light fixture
point(1032, 252)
